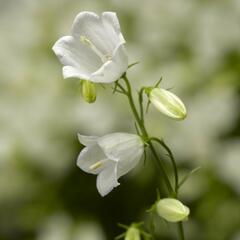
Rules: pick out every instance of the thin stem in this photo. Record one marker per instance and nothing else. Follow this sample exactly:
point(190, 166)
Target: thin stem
point(140, 99)
point(145, 134)
point(140, 123)
point(180, 231)
point(162, 169)
point(170, 154)
point(133, 108)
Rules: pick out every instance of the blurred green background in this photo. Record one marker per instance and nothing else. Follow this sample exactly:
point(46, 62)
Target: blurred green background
point(193, 44)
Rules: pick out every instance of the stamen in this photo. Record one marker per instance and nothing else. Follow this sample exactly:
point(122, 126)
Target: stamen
point(96, 165)
point(104, 57)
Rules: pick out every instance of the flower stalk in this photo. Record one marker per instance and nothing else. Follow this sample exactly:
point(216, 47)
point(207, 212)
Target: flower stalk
point(139, 118)
point(145, 134)
point(95, 53)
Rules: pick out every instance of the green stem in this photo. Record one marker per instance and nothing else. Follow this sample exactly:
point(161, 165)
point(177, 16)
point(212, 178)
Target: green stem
point(145, 134)
point(170, 154)
point(140, 123)
point(180, 231)
point(140, 99)
point(133, 108)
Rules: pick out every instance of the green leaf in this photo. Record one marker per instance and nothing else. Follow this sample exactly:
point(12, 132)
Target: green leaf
point(187, 176)
point(133, 64)
point(158, 82)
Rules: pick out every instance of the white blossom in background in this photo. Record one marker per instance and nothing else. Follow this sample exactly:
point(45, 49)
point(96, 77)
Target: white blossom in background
point(110, 156)
point(95, 49)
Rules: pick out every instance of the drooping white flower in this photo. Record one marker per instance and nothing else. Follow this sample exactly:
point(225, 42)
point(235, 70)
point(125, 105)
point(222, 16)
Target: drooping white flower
point(95, 49)
point(110, 157)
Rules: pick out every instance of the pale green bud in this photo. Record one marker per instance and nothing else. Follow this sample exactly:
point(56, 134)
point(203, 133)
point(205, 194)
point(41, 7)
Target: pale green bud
point(167, 103)
point(89, 91)
point(172, 210)
point(132, 233)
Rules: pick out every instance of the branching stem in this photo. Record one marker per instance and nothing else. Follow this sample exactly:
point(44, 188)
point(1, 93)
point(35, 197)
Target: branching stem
point(139, 118)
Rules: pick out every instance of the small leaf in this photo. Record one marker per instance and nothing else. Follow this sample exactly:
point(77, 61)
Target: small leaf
point(158, 82)
point(115, 87)
point(120, 236)
point(148, 104)
point(133, 64)
point(187, 176)
point(123, 226)
point(152, 208)
point(145, 235)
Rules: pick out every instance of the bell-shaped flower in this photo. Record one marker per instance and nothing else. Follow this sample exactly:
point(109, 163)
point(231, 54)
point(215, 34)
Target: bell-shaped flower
point(110, 157)
point(172, 210)
point(167, 103)
point(95, 49)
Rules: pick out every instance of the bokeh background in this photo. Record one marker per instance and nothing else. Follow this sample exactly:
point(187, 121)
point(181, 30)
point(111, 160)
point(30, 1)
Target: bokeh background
point(194, 45)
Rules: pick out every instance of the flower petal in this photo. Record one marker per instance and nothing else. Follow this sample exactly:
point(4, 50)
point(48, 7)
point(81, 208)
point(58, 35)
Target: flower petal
point(113, 69)
point(118, 146)
point(90, 156)
point(87, 140)
point(113, 28)
point(71, 52)
point(73, 72)
point(99, 30)
point(107, 180)
point(129, 160)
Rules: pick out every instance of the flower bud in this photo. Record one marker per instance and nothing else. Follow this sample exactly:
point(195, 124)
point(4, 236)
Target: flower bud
point(167, 103)
point(172, 210)
point(88, 91)
point(132, 233)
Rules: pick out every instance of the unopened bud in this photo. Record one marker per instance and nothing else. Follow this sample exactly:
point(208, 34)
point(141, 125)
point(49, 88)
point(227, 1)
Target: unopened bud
point(88, 91)
point(167, 103)
point(172, 210)
point(132, 233)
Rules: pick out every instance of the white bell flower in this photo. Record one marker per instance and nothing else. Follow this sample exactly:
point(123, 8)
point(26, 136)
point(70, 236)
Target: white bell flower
point(95, 49)
point(110, 157)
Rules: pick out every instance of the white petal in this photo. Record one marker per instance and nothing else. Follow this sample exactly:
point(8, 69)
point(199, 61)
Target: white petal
point(107, 180)
point(118, 146)
point(112, 70)
point(99, 31)
point(87, 140)
point(129, 160)
point(73, 72)
point(112, 25)
point(88, 157)
point(71, 52)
